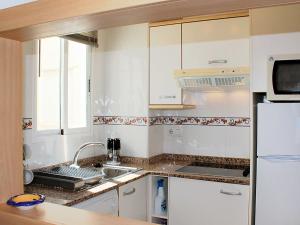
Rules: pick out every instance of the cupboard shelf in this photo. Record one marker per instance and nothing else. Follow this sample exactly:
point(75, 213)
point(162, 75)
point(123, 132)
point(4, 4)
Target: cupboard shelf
point(171, 106)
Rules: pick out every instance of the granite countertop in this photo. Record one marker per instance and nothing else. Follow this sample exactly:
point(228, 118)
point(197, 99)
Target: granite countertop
point(164, 166)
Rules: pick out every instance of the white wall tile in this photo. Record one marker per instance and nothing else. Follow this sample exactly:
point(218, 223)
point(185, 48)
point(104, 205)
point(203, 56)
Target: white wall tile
point(196, 140)
point(54, 149)
point(156, 140)
point(238, 142)
point(134, 139)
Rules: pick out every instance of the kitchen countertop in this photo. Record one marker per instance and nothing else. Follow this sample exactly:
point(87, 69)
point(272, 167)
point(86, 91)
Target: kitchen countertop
point(165, 167)
point(53, 214)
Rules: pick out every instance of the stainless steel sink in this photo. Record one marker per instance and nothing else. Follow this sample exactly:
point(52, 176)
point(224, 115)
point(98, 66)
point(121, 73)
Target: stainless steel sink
point(111, 172)
point(79, 178)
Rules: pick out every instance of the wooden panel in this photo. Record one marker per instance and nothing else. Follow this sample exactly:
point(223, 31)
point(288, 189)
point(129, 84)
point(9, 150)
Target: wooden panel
point(272, 20)
point(53, 214)
point(191, 19)
point(49, 10)
point(11, 175)
point(58, 18)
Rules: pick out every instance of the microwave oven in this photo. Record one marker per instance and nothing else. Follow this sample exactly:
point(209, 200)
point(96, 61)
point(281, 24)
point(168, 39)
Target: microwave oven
point(284, 78)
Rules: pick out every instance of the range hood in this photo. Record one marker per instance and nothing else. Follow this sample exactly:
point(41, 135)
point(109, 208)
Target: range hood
point(213, 79)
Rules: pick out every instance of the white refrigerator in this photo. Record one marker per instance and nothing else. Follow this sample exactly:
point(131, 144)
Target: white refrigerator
point(278, 164)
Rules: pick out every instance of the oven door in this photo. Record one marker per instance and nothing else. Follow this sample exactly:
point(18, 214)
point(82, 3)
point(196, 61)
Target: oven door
point(284, 78)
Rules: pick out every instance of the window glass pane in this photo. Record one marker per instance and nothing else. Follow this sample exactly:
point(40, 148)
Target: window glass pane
point(77, 85)
point(48, 85)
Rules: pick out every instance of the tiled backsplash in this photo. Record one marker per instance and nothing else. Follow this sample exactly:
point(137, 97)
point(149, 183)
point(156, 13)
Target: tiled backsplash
point(27, 123)
point(120, 120)
point(172, 120)
point(200, 121)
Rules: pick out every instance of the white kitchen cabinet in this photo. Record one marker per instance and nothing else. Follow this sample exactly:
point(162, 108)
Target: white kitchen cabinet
point(106, 203)
point(165, 58)
point(196, 202)
point(216, 43)
point(264, 46)
point(133, 199)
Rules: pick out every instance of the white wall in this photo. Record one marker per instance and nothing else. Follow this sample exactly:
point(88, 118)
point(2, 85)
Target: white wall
point(121, 82)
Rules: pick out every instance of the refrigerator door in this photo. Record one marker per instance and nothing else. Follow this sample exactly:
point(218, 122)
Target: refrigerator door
point(278, 191)
point(278, 129)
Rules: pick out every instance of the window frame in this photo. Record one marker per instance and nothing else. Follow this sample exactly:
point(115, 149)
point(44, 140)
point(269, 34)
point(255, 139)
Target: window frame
point(63, 102)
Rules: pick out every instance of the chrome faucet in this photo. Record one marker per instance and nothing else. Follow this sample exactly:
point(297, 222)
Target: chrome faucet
point(89, 144)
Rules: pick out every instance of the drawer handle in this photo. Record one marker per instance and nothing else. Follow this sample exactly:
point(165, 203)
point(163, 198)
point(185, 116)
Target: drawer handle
point(167, 96)
point(215, 61)
point(129, 192)
point(229, 193)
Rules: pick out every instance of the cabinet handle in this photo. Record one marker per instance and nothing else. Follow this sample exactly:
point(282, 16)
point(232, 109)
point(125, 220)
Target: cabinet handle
point(167, 96)
point(229, 193)
point(129, 192)
point(215, 61)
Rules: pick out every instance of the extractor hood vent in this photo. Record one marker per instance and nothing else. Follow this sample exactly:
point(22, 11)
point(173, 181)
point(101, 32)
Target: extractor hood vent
point(212, 79)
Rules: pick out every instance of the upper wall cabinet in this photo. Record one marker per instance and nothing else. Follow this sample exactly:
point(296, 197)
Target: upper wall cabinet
point(216, 43)
point(274, 31)
point(165, 58)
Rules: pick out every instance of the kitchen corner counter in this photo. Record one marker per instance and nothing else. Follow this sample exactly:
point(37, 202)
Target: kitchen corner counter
point(162, 167)
point(69, 198)
point(53, 214)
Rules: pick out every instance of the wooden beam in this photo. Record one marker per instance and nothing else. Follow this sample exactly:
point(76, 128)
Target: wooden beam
point(45, 11)
point(11, 157)
point(108, 13)
point(217, 16)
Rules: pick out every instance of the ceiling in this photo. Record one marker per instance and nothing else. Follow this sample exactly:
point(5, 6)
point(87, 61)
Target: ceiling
point(4, 4)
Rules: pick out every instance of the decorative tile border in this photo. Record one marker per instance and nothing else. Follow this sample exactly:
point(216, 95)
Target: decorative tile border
point(120, 120)
point(27, 123)
point(172, 120)
point(201, 121)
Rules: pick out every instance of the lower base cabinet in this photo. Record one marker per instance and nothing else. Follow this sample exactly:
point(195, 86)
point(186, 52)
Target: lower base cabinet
point(197, 202)
point(106, 203)
point(133, 200)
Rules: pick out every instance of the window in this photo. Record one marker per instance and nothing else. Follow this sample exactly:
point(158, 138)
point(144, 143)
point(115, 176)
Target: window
point(63, 95)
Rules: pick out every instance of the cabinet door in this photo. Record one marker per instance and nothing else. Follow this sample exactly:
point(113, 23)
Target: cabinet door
point(133, 200)
point(216, 43)
point(106, 203)
point(165, 58)
point(196, 202)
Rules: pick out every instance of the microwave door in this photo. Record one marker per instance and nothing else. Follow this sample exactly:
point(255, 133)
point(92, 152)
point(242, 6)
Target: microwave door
point(278, 129)
point(284, 78)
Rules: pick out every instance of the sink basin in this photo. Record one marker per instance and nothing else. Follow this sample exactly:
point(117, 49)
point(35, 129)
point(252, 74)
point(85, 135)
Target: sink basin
point(111, 172)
